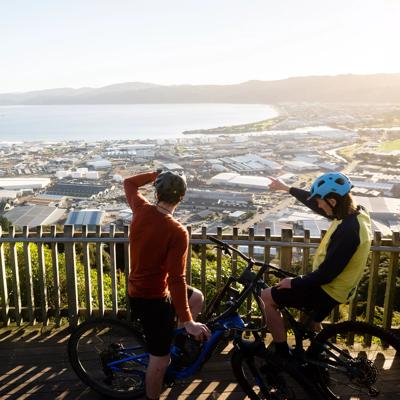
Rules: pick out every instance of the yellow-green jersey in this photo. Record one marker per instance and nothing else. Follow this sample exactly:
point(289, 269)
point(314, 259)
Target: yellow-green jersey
point(342, 254)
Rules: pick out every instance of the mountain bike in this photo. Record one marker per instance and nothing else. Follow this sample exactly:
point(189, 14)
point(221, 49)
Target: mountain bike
point(346, 360)
point(110, 355)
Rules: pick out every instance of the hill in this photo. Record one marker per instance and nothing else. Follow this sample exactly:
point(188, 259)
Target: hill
point(378, 88)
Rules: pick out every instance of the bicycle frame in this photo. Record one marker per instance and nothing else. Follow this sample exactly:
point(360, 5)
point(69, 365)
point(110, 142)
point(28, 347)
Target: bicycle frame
point(227, 321)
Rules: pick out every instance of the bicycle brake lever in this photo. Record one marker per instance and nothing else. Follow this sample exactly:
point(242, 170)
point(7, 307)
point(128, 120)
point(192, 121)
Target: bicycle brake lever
point(224, 249)
point(227, 251)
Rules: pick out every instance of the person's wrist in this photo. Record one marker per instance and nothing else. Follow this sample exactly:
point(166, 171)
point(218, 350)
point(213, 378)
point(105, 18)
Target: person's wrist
point(188, 323)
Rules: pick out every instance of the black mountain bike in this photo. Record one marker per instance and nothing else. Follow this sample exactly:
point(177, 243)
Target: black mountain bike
point(349, 360)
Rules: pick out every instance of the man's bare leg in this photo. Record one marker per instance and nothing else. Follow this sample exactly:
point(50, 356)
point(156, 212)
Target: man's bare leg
point(275, 320)
point(155, 375)
point(196, 302)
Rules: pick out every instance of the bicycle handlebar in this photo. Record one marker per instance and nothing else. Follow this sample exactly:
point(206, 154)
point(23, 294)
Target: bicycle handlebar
point(271, 269)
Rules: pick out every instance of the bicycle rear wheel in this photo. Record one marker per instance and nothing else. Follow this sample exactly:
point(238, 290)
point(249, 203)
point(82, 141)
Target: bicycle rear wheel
point(259, 379)
point(367, 361)
point(110, 357)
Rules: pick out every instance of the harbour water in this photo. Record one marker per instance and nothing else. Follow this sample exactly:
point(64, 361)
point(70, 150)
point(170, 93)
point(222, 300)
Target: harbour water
point(121, 121)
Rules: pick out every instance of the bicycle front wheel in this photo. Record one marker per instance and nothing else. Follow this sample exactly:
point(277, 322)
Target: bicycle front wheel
point(259, 379)
point(110, 357)
point(357, 361)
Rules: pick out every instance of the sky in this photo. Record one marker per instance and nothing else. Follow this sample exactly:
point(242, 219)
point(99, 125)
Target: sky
point(73, 43)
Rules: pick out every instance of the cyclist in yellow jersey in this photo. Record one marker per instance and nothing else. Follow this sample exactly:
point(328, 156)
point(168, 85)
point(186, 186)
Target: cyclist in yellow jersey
point(339, 260)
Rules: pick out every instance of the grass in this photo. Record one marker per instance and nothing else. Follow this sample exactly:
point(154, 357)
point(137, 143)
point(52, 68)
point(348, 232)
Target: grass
point(390, 146)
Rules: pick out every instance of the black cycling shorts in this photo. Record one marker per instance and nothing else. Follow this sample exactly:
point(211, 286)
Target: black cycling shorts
point(157, 317)
point(316, 301)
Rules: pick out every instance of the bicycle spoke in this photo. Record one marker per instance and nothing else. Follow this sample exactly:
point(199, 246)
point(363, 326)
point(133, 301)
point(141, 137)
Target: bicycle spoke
point(363, 365)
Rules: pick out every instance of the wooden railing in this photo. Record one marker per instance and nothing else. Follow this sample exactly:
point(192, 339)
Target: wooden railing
point(50, 276)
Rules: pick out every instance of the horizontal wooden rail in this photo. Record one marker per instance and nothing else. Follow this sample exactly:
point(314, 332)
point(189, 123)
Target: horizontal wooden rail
point(63, 276)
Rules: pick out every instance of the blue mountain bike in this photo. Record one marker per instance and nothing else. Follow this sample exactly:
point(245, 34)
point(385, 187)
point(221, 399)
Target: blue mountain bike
point(110, 355)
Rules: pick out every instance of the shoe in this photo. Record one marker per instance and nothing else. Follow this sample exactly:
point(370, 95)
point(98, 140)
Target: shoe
point(280, 360)
point(316, 373)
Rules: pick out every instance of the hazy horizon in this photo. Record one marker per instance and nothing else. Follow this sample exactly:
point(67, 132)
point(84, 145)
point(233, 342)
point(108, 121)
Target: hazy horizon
point(191, 84)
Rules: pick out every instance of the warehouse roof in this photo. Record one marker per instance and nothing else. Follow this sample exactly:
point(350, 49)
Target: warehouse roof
point(85, 217)
point(34, 215)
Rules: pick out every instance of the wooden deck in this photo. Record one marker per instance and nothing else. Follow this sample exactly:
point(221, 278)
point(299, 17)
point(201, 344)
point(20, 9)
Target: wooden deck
point(34, 365)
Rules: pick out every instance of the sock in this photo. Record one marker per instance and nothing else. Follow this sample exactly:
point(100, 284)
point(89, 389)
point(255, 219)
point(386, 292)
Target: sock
point(282, 348)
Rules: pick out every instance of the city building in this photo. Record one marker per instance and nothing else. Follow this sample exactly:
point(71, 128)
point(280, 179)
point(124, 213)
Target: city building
point(35, 215)
point(76, 190)
point(251, 163)
point(197, 196)
point(24, 183)
point(91, 218)
point(236, 180)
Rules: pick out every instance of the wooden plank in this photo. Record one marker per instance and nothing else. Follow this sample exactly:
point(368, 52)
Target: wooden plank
point(203, 264)
point(373, 279)
point(15, 277)
point(267, 248)
point(305, 264)
point(56, 276)
point(127, 267)
point(219, 259)
point(86, 269)
point(30, 299)
point(251, 255)
point(391, 283)
point(114, 293)
point(99, 266)
point(189, 258)
point(42, 278)
point(70, 265)
point(286, 252)
point(235, 233)
point(5, 303)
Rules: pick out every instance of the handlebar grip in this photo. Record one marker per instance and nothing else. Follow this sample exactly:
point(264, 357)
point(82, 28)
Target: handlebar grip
point(215, 240)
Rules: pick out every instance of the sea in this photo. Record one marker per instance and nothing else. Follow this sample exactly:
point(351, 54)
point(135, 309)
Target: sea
point(121, 121)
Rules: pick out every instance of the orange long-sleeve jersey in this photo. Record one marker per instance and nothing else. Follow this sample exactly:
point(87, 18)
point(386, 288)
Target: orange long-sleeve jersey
point(158, 249)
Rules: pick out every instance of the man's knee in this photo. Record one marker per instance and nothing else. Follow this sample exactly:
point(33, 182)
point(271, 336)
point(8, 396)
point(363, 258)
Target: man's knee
point(267, 298)
point(197, 298)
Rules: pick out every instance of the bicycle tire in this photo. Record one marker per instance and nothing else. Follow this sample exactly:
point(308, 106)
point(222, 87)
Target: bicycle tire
point(96, 343)
point(374, 352)
point(259, 379)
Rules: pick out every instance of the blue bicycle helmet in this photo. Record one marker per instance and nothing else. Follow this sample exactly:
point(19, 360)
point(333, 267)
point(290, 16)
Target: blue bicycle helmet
point(331, 182)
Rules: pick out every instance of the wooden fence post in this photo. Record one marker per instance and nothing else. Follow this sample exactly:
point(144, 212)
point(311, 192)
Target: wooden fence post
point(219, 258)
point(203, 264)
point(373, 279)
point(30, 299)
point(286, 252)
point(42, 277)
point(86, 268)
point(99, 265)
point(5, 304)
point(70, 266)
point(189, 258)
point(56, 275)
point(114, 293)
point(15, 277)
point(127, 267)
point(391, 283)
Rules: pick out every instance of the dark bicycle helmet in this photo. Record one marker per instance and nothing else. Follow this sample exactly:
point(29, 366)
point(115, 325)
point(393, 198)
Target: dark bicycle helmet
point(170, 187)
point(331, 182)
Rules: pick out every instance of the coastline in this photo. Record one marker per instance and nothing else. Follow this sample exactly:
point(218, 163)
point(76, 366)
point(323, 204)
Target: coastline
point(251, 127)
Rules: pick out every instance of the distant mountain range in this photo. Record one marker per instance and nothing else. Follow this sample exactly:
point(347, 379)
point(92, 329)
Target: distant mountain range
point(378, 88)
